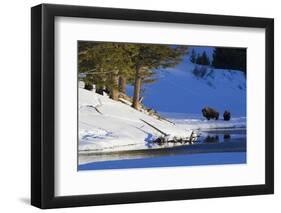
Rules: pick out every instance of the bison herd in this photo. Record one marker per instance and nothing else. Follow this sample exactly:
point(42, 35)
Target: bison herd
point(211, 113)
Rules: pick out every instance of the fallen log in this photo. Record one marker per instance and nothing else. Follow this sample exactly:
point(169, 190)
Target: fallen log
point(166, 138)
point(163, 133)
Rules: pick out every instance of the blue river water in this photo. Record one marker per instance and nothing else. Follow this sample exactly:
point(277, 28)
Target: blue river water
point(216, 147)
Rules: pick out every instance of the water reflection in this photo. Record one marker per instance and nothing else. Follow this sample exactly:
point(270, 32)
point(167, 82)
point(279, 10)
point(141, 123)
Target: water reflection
point(226, 137)
point(208, 142)
point(221, 136)
point(211, 139)
point(216, 138)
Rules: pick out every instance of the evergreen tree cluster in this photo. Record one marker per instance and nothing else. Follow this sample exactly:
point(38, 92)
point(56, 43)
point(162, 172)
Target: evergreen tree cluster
point(202, 59)
point(230, 58)
point(111, 66)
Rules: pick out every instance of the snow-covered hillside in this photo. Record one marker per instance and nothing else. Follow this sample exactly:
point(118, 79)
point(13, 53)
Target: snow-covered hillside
point(188, 88)
point(106, 125)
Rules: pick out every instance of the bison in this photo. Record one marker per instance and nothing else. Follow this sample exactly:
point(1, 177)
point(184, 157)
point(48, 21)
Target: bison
point(226, 115)
point(209, 113)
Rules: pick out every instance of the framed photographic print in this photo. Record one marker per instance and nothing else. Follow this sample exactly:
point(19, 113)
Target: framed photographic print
point(139, 106)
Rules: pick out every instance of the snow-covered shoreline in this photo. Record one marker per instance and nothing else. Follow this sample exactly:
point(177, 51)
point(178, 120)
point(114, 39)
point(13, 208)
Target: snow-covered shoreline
point(203, 124)
point(107, 125)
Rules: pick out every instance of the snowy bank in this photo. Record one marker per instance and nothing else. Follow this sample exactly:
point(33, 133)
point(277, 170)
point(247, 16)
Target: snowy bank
point(198, 122)
point(106, 125)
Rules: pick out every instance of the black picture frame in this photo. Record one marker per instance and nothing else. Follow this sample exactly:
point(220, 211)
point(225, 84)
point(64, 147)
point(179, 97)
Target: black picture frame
point(43, 105)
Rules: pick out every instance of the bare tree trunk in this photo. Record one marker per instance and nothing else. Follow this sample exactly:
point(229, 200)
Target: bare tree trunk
point(122, 84)
point(137, 88)
point(114, 93)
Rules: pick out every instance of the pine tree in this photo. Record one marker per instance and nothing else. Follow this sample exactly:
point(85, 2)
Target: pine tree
point(230, 58)
point(113, 65)
point(198, 59)
point(202, 59)
point(122, 84)
point(107, 63)
point(193, 56)
point(205, 59)
point(147, 58)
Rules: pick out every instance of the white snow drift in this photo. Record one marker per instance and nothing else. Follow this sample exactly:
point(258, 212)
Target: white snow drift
point(106, 125)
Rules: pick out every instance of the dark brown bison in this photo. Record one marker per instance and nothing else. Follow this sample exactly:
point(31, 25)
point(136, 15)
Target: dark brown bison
point(226, 115)
point(209, 113)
